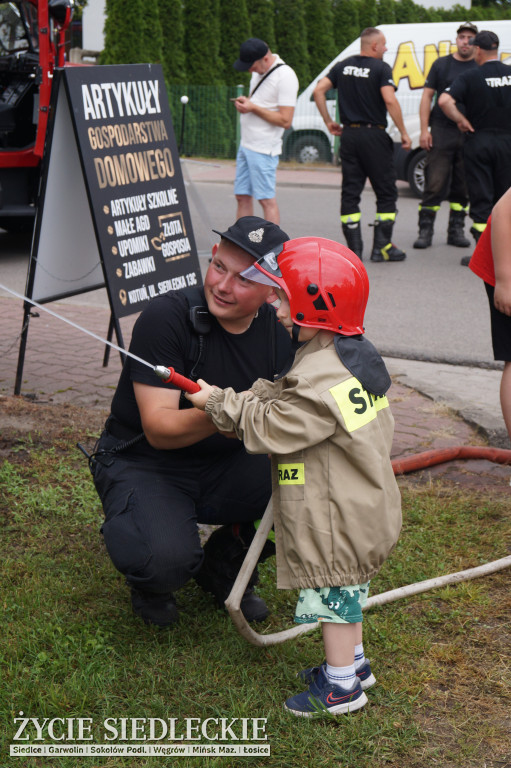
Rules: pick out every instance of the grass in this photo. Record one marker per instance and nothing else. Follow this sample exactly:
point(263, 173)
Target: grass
point(71, 647)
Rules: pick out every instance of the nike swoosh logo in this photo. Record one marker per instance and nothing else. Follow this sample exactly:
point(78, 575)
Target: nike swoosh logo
point(331, 699)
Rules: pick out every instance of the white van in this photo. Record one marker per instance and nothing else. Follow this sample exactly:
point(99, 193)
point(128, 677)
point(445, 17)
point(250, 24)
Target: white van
point(411, 50)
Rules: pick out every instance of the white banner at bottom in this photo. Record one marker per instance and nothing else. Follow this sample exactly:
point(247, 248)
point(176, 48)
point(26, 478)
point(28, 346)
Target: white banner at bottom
point(104, 750)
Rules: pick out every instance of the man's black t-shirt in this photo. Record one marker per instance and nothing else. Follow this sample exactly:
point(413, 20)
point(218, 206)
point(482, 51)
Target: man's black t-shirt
point(358, 80)
point(442, 73)
point(486, 96)
point(163, 335)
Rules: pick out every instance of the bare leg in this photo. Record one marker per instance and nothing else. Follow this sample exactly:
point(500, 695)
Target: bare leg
point(505, 396)
point(245, 206)
point(340, 641)
point(271, 209)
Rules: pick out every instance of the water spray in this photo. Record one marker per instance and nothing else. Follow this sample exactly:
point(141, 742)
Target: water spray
point(168, 375)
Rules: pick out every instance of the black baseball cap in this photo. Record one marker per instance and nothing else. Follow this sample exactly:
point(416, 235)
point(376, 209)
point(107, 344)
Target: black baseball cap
point(254, 235)
point(467, 25)
point(488, 41)
point(250, 51)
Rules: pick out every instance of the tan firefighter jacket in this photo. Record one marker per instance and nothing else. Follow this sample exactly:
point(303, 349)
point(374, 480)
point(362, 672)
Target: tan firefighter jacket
point(336, 502)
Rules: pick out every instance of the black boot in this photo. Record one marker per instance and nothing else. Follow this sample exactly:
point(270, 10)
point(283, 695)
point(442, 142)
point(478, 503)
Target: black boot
point(426, 224)
point(455, 230)
point(353, 235)
point(383, 247)
point(476, 234)
point(154, 608)
point(224, 553)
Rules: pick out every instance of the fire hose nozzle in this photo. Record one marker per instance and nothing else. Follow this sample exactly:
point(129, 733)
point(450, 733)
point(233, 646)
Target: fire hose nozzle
point(170, 376)
point(163, 373)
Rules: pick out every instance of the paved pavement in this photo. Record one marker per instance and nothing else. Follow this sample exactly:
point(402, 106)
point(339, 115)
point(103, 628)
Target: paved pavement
point(435, 405)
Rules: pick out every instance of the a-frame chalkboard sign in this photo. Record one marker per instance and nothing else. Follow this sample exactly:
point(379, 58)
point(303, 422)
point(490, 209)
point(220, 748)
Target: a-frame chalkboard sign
point(112, 207)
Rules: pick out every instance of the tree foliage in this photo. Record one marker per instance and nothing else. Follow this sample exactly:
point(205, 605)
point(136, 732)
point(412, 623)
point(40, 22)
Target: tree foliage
point(368, 13)
point(321, 46)
point(123, 44)
point(346, 22)
point(291, 34)
point(172, 28)
point(386, 12)
point(197, 41)
point(406, 11)
point(234, 29)
point(262, 20)
point(202, 42)
point(151, 36)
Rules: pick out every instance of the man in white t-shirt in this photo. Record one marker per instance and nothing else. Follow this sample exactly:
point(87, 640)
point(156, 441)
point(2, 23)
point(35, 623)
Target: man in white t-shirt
point(265, 114)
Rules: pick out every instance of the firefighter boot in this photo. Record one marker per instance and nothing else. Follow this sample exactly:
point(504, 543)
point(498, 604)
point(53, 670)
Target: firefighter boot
point(383, 247)
point(476, 234)
point(455, 233)
point(353, 235)
point(154, 608)
point(426, 224)
point(224, 553)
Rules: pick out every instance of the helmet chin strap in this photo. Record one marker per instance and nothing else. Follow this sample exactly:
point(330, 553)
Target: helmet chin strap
point(295, 346)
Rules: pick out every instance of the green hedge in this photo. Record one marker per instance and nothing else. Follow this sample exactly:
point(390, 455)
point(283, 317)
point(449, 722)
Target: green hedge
point(196, 41)
point(210, 119)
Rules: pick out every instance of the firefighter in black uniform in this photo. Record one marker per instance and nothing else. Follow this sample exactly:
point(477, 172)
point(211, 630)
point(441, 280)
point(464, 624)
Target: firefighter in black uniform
point(485, 94)
point(366, 92)
point(444, 171)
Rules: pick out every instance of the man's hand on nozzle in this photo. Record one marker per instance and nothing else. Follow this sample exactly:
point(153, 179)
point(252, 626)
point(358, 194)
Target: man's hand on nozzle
point(199, 399)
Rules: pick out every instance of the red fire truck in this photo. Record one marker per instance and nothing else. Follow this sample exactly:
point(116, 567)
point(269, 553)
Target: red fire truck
point(31, 46)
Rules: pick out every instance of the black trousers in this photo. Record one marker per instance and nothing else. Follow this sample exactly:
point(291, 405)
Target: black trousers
point(488, 170)
point(367, 153)
point(151, 513)
point(445, 170)
point(500, 328)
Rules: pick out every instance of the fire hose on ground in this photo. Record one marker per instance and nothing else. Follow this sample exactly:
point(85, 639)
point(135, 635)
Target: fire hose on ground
point(401, 466)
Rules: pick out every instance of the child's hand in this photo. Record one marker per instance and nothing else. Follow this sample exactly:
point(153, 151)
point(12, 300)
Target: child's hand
point(199, 399)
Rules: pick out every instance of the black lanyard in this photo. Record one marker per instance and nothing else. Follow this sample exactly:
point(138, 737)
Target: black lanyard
point(261, 81)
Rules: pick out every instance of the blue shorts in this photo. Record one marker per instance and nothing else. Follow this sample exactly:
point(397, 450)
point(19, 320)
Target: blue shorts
point(255, 174)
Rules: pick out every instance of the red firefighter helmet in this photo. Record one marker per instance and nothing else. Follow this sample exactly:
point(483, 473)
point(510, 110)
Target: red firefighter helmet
point(326, 283)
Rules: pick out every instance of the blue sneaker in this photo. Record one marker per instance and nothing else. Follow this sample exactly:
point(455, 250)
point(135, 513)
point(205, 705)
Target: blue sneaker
point(364, 674)
point(323, 697)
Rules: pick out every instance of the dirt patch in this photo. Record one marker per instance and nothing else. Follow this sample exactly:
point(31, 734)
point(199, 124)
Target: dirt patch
point(24, 424)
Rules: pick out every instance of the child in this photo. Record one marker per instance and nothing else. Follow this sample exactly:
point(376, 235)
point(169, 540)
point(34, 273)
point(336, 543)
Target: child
point(328, 426)
point(492, 263)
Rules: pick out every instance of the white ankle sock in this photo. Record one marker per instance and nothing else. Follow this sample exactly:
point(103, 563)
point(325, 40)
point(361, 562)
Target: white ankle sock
point(343, 676)
point(360, 659)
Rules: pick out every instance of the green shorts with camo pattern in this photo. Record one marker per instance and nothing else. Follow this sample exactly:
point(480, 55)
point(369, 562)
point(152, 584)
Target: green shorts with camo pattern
point(341, 605)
